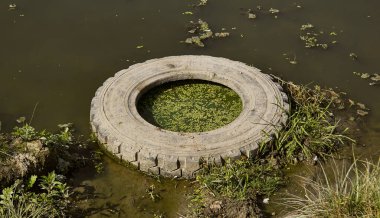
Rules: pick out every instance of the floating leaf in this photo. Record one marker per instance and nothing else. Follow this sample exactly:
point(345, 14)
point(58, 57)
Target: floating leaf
point(365, 76)
point(306, 26)
point(353, 56)
point(274, 11)
point(361, 106)
point(12, 6)
point(140, 46)
point(21, 120)
point(375, 77)
point(251, 16)
point(362, 113)
point(222, 34)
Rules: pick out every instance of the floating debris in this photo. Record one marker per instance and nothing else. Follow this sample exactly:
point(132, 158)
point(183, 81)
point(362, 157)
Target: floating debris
point(362, 113)
point(291, 60)
point(12, 6)
point(311, 37)
point(222, 34)
point(140, 46)
point(361, 106)
point(274, 11)
point(202, 3)
point(195, 40)
point(202, 32)
point(307, 26)
point(353, 56)
point(187, 13)
point(375, 78)
point(251, 16)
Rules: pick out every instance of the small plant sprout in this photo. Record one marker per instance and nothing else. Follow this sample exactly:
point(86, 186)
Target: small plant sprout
point(153, 195)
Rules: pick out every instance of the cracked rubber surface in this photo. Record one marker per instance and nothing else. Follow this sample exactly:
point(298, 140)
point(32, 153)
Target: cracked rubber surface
point(117, 123)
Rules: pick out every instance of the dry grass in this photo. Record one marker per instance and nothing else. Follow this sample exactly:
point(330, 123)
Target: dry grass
point(353, 191)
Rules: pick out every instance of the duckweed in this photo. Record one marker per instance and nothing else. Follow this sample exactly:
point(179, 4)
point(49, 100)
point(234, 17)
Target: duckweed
point(190, 106)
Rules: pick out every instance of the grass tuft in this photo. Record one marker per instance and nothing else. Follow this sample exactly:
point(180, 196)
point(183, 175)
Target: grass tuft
point(311, 129)
point(240, 179)
point(351, 192)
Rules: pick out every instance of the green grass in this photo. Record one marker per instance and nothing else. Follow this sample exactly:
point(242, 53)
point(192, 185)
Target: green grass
point(240, 179)
point(311, 130)
point(50, 200)
point(351, 192)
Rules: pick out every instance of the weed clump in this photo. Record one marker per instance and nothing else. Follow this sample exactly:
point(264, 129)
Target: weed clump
point(311, 130)
point(241, 179)
point(21, 200)
point(235, 188)
point(352, 192)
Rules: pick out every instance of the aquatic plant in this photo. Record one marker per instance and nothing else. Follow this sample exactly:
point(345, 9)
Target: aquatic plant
point(201, 31)
point(352, 192)
point(374, 78)
point(312, 38)
point(190, 106)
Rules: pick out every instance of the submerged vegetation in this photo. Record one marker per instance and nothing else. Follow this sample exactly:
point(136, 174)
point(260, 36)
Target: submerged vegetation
point(190, 106)
point(351, 192)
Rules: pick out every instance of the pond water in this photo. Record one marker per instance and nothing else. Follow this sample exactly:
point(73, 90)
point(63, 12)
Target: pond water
point(55, 54)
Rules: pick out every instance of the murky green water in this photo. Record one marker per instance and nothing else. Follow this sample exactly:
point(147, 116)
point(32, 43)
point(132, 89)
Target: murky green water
point(190, 106)
point(55, 54)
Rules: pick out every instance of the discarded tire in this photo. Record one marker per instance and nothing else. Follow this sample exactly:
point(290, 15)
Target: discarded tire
point(117, 123)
